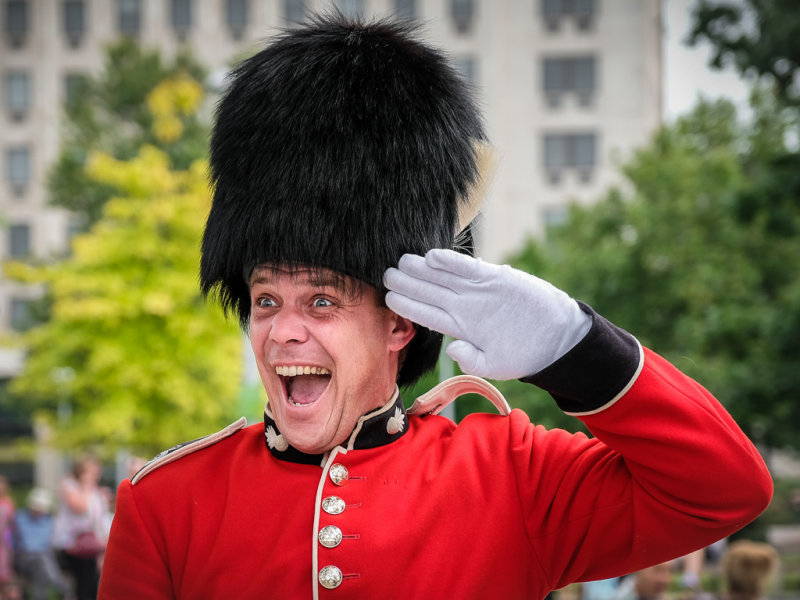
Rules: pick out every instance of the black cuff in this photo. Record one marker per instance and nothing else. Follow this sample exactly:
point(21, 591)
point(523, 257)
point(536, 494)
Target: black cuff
point(592, 373)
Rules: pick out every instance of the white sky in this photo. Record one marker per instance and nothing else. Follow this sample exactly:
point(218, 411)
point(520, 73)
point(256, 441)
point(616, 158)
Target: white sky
point(686, 71)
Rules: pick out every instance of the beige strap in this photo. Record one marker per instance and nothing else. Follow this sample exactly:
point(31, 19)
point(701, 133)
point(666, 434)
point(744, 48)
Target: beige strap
point(432, 402)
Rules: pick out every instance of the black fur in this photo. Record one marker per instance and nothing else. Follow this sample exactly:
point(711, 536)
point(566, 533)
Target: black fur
point(342, 145)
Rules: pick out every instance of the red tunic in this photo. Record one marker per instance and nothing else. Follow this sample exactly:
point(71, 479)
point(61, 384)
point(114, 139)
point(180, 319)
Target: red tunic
point(492, 508)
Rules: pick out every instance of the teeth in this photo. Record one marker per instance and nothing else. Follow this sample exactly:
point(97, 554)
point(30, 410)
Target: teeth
point(300, 370)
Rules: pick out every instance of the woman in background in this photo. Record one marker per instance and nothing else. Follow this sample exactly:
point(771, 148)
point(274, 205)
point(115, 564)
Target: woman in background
point(80, 531)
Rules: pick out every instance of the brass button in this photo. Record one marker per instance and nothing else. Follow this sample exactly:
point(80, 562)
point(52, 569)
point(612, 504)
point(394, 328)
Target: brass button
point(330, 577)
point(333, 505)
point(339, 474)
point(330, 536)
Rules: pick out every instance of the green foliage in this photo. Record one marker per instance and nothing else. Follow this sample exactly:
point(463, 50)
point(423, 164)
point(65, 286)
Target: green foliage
point(110, 113)
point(131, 347)
point(756, 37)
point(699, 260)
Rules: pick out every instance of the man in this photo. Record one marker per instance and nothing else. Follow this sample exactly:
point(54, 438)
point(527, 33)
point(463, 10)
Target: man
point(35, 557)
point(651, 583)
point(345, 158)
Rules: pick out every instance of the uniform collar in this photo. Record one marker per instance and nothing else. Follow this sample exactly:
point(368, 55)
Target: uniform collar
point(376, 428)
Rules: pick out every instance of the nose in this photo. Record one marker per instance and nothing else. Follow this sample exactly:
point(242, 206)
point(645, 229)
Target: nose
point(288, 326)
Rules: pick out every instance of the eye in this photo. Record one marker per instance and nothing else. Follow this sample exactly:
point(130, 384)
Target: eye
point(265, 303)
point(322, 302)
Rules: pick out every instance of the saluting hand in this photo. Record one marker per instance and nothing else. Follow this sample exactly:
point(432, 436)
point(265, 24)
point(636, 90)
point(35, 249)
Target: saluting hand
point(507, 324)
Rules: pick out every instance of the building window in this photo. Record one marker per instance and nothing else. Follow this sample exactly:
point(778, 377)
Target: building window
point(294, 11)
point(583, 12)
point(351, 8)
point(21, 314)
point(129, 16)
point(462, 12)
point(17, 94)
point(16, 22)
point(181, 17)
point(405, 9)
point(570, 152)
point(18, 169)
point(19, 240)
point(570, 75)
point(236, 16)
point(466, 67)
point(74, 21)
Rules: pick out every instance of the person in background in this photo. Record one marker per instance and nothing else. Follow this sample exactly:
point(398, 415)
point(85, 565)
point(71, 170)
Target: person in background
point(748, 569)
point(81, 526)
point(653, 582)
point(11, 590)
point(692, 569)
point(650, 583)
point(6, 544)
point(35, 558)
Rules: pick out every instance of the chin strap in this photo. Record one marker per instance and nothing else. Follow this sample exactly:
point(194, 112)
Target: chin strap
point(432, 402)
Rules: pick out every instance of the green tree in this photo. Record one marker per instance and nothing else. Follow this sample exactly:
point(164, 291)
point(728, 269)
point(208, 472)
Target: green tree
point(111, 113)
point(131, 347)
point(760, 37)
point(697, 263)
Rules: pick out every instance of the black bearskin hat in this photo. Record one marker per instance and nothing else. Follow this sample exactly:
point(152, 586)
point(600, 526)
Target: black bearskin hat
point(342, 144)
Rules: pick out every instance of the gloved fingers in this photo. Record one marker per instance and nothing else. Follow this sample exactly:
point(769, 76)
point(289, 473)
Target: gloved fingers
point(428, 315)
point(469, 358)
point(413, 286)
point(419, 267)
point(449, 261)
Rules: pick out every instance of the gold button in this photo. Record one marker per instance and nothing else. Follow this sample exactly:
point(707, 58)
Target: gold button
point(339, 474)
point(333, 505)
point(330, 536)
point(330, 577)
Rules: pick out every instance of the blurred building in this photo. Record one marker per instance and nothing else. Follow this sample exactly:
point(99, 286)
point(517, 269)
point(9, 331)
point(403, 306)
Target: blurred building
point(569, 89)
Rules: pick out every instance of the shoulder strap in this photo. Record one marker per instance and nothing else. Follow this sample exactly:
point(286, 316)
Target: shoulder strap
point(181, 450)
point(443, 394)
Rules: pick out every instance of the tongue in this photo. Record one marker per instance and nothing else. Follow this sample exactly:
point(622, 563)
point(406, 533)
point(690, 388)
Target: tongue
point(305, 389)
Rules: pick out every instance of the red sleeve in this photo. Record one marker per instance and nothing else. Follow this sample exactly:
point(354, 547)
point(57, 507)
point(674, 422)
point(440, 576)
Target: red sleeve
point(668, 472)
point(133, 567)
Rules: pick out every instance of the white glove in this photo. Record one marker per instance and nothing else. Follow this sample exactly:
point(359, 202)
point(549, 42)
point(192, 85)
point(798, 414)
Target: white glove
point(507, 324)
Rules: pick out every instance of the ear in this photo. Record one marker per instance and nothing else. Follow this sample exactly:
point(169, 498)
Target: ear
point(402, 332)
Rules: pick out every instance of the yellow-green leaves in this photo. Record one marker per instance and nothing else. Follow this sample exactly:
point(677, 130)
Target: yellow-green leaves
point(153, 364)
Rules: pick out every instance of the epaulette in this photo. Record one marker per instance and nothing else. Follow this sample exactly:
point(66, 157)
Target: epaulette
point(181, 450)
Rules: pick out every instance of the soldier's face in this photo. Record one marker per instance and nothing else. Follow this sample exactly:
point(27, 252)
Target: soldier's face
point(326, 353)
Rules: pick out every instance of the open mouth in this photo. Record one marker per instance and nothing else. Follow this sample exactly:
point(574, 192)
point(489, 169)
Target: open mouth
point(303, 384)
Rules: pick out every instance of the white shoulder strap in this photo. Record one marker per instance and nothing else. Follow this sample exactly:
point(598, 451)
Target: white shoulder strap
point(181, 450)
point(443, 394)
